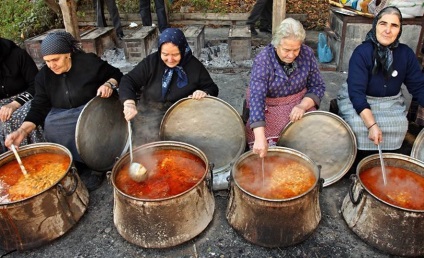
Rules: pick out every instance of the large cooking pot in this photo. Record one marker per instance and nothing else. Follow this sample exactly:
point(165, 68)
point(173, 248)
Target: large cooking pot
point(36, 220)
point(269, 222)
point(163, 222)
point(392, 229)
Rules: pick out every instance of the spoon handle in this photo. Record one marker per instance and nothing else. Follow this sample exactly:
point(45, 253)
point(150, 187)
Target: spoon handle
point(18, 159)
point(130, 140)
point(383, 167)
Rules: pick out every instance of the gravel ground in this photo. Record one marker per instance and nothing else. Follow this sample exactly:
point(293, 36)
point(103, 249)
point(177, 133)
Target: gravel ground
point(95, 234)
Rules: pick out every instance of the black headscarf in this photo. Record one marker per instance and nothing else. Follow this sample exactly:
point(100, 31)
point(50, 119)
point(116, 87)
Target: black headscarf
point(382, 56)
point(6, 47)
point(176, 37)
point(59, 42)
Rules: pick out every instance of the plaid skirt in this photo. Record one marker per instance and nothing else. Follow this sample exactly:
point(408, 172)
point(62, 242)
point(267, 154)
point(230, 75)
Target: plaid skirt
point(15, 122)
point(389, 113)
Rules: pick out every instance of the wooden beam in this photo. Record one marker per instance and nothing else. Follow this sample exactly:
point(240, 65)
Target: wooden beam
point(278, 13)
point(69, 13)
point(53, 5)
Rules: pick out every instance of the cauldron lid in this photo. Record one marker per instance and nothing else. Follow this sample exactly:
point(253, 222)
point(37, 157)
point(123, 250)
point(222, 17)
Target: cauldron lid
point(101, 133)
point(417, 151)
point(326, 139)
point(210, 124)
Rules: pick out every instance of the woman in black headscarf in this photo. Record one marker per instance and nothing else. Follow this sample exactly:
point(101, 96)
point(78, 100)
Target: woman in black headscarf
point(162, 78)
point(68, 81)
point(17, 73)
point(372, 102)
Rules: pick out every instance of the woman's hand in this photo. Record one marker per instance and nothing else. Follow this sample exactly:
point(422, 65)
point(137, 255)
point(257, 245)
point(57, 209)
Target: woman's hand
point(105, 91)
point(260, 146)
point(375, 134)
point(198, 94)
point(296, 113)
point(6, 111)
point(15, 137)
point(130, 109)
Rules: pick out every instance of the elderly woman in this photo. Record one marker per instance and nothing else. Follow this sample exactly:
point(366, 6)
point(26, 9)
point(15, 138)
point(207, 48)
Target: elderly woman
point(285, 83)
point(162, 78)
point(70, 80)
point(372, 102)
point(17, 73)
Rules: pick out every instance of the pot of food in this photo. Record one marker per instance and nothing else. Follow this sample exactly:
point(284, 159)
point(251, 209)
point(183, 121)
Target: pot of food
point(388, 216)
point(174, 204)
point(44, 204)
point(265, 197)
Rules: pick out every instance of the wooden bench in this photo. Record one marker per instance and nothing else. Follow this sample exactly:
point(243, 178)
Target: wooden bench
point(240, 43)
point(140, 43)
point(195, 35)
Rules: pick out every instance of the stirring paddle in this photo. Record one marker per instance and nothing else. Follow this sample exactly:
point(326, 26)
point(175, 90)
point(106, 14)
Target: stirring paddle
point(383, 168)
point(19, 160)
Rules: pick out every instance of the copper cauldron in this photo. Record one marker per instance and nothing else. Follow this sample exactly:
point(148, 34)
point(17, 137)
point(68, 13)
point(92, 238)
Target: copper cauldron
point(269, 222)
point(391, 228)
point(34, 221)
point(167, 221)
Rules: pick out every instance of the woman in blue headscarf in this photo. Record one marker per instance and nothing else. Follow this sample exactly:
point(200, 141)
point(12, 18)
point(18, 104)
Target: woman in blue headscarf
point(161, 79)
point(372, 102)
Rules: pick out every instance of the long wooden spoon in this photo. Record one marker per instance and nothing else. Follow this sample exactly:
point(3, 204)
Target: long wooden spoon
point(19, 160)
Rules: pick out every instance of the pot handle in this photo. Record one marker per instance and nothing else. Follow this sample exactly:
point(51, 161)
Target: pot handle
point(230, 178)
point(62, 190)
point(361, 192)
point(209, 177)
point(320, 180)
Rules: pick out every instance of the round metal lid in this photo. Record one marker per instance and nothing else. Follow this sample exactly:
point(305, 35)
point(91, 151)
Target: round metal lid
point(210, 124)
point(326, 139)
point(418, 147)
point(101, 133)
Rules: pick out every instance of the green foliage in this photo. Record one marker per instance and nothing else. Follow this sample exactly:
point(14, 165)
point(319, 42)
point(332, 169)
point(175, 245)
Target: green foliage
point(24, 19)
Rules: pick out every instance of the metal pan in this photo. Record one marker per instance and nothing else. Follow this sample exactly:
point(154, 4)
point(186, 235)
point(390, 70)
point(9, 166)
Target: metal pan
point(417, 151)
point(326, 139)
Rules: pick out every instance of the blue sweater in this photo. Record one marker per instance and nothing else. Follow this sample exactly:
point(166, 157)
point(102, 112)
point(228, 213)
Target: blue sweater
point(362, 83)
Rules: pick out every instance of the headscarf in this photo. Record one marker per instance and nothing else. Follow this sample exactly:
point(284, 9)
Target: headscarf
point(382, 55)
point(59, 42)
point(176, 37)
point(6, 47)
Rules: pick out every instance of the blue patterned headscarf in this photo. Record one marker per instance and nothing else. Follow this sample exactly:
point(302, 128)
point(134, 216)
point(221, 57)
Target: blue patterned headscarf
point(59, 42)
point(383, 56)
point(176, 37)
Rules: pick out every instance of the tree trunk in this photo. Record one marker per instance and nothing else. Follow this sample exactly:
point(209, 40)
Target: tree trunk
point(52, 4)
point(69, 12)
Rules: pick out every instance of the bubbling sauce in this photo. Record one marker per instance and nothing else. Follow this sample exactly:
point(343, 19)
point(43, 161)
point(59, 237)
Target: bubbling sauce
point(44, 170)
point(169, 173)
point(404, 188)
point(283, 177)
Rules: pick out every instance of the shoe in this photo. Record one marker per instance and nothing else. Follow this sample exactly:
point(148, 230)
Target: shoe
point(266, 30)
point(253, 30)
point(93, 180)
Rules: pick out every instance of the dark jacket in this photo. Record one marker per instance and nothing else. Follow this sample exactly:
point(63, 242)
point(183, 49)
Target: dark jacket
point(17, 72)
point(71, 89)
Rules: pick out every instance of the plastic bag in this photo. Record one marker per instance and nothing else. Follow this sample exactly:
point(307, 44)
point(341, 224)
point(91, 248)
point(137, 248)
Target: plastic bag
point(324, 52)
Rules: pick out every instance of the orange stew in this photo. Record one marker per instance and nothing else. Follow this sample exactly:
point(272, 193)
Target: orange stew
point(169, 173)
point(404, 188)
point(283, 177)
point(44, 170)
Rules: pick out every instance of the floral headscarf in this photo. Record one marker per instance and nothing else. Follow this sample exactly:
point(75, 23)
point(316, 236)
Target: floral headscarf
point(175, 36)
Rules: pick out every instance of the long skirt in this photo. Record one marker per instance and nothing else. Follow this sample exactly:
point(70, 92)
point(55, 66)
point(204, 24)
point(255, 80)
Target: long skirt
point(59, 127)
point(277, 116)
point(15, 122)
point(389, 113)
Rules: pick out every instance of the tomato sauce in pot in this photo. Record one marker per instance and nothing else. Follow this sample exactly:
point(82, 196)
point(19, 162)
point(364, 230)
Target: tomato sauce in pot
point(44, 170)
point(404, 188)
point(169, 173)
point(282, 178)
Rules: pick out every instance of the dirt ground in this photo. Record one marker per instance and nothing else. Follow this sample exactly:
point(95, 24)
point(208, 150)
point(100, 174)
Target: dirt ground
point(95, 235)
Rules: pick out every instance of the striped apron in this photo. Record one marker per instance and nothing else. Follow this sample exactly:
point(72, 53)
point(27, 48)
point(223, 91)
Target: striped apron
point(389, 113)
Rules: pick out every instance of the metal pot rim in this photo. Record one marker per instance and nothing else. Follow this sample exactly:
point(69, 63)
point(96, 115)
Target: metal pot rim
point(388, 156)
point(26, 150)
point(278, 149)
point(185, 146)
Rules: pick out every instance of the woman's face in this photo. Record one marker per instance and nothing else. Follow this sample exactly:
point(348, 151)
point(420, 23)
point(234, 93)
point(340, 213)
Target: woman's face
point(288, 50)
point(387, 29)
point(58, 63)
point(170, 54)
